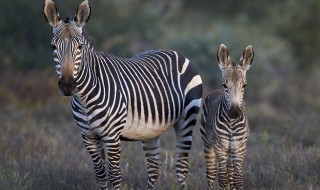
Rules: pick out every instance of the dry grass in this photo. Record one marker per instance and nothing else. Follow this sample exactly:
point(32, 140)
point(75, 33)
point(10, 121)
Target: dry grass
point(42, 149)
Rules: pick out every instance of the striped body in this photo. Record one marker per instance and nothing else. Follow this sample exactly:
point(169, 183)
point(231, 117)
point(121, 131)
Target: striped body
point(124, 99)
point(146, 94)
point(224, 123)
point(225, 140)
point(139, 99)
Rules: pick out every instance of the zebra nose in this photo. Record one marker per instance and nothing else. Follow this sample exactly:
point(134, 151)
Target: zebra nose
point(235, 111)
point(67, 86)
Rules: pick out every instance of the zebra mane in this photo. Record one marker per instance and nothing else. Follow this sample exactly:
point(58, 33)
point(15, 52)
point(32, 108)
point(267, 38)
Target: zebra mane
point(234, 64)
point(91, 40)
point(67, 20)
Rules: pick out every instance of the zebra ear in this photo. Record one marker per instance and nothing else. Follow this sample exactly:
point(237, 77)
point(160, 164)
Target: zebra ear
point(247, 58)
point(50, 13)
point(223, 57)
point(82, 14)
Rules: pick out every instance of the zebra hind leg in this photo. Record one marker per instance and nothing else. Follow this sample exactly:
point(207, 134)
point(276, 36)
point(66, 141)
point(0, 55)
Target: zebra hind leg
point(151, 149)
point(95, 148)
point(183, 129)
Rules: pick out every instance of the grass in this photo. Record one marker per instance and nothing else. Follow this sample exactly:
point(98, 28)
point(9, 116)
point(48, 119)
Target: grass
point(41, 148)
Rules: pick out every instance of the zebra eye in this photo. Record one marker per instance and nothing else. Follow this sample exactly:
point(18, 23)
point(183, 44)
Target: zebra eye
point(80, 46)
point(244, 85)
point(224, 85)
point(53, 47)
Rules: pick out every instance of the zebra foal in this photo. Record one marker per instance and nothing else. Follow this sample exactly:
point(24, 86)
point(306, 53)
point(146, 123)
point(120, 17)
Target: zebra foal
point(116, 99)
point(224, 123)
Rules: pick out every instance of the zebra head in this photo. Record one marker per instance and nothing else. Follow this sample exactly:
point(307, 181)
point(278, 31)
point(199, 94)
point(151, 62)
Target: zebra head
point(67, 43)
point(234, 78)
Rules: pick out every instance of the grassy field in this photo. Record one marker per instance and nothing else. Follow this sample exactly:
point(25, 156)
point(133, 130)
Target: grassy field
point(41, 148)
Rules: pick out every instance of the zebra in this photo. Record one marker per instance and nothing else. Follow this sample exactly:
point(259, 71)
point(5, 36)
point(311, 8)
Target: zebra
point(224, 124)
point(115, 99)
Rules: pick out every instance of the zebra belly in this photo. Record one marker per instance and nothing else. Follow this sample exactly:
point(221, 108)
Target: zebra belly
point(142, 131)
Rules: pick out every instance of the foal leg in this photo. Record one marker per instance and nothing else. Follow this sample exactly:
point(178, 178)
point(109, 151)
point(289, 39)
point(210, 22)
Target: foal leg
point(211, 168)
point(230, 168)
point(237, 160)
point(222, 156)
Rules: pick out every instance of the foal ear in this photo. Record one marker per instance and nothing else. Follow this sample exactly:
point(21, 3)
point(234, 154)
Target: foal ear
point(50, 13)
point(247, 58)
point(82, 14)
point(223, 57)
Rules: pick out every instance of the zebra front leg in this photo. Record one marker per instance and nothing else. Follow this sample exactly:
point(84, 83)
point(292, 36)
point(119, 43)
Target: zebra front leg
point(210, 157)
point(114, 149)
point(222, 157)
point(230, 169)
point(95, 148)
point(238, 151)
point(237, 179)
point(151, 149)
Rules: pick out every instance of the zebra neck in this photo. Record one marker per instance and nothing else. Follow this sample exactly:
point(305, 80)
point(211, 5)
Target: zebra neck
point(93, 80)
point(230, 113)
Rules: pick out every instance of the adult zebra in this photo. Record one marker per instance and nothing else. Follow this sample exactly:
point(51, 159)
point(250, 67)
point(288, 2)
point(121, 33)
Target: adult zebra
point(124, 99)
point(224, 123)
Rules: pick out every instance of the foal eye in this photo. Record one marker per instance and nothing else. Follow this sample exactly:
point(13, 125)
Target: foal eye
point(53, 47)
point(244, 85)
point(80, 46)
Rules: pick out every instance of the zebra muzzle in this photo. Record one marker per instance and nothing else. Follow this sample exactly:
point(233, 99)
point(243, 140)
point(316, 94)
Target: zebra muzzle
point(67, 86)
point(235, 112)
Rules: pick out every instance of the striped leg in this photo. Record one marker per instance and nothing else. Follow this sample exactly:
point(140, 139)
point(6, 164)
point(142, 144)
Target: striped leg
point(114, 149)
point(151, 149)
point(222, 157)
point(238, 151)
point(230, 173)
point(95, 148)
point(183, 131)
point(184, 141)
point(210, 157)
point(237, 180)
point(209, 154)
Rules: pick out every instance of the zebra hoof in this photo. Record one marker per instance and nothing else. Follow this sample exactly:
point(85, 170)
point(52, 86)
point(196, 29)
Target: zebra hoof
point(183, 186)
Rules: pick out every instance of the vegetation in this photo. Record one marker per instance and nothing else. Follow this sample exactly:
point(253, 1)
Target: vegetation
point(42, 149)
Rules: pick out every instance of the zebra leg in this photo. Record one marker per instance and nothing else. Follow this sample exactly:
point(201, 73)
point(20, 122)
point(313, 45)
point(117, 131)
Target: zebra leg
point(237, 179)
point(210, 157)
point(209, 154)
point(184, 142)
point(230, 169)
point(222, 156)
point(183, 131)
point(114, 149)
point(95, 148)
point(151, 149)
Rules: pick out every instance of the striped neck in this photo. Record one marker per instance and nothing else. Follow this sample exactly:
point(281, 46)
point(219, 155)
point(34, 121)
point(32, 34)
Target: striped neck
point(88, 82)
point(231, 113)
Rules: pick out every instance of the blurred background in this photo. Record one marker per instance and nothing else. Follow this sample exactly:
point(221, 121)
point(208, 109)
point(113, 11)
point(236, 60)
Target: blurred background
point(41, 148)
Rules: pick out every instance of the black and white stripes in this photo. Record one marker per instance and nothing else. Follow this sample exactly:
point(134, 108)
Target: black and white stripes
point(224, 124)
point(124, 99)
